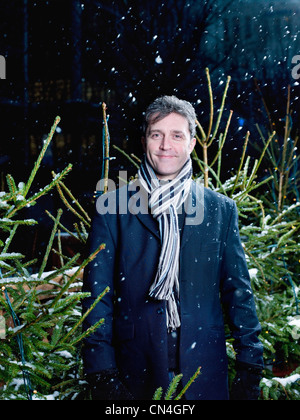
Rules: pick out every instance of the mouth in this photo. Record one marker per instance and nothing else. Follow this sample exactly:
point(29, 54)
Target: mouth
point(166, 156)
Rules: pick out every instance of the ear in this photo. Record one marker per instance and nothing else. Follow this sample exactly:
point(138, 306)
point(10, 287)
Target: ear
point(192, 144)
point(143, 140)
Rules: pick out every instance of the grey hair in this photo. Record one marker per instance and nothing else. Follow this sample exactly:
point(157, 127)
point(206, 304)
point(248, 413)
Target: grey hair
point(166, 105)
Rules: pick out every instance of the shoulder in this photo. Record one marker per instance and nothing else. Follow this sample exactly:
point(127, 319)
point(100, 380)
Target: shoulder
point(213, 197)
point(216, 206)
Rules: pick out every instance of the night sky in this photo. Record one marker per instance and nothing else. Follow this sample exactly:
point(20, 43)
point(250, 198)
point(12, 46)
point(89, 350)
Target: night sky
point(67, 57)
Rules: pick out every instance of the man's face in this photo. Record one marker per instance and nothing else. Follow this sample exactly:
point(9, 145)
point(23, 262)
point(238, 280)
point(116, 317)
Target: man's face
point(168, 145)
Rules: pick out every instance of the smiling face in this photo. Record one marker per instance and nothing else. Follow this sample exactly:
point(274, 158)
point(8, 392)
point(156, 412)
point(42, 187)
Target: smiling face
point(168, 145)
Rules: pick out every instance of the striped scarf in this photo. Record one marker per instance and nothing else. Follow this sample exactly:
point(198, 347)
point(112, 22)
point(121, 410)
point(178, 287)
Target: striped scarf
point(165, 197)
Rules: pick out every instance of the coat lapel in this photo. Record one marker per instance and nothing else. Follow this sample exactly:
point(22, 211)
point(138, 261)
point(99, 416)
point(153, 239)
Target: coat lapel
point(138, 206)
point(194, 209)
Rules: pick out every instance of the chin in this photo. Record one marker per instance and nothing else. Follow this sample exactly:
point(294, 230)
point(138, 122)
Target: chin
point(166, 175)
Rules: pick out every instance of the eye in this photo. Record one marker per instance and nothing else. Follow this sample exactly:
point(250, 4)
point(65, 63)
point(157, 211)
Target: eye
point(156, 136)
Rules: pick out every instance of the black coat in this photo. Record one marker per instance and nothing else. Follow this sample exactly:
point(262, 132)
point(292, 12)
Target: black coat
point(213, 279)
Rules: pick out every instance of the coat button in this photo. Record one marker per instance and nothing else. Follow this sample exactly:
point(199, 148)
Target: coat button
point(160, 311)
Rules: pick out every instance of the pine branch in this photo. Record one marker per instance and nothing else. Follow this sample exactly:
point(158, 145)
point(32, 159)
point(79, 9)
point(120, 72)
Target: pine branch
point(88, 332)
point(79, 323)
point(193, 378)
point(61, 226)
point(39, 194)
point(211, 113)
point(11, 185)
point(60, 186)
point(50, 243)
point(126, 155)
point(74, 276)
point(106, 149)
point(41, 156)
point(173, 386)
point(241, 162)
point(221, 113)
point(158, 394)
point(75, 201)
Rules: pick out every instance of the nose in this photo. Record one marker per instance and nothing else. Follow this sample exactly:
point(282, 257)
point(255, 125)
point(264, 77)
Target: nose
point(165, 143)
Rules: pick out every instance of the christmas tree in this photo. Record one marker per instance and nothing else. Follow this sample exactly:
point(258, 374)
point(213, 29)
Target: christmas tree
point(269, 210)
point(40, 313)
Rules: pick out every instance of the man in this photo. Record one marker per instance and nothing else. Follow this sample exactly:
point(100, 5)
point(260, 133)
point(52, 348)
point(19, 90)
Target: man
point(174, 264)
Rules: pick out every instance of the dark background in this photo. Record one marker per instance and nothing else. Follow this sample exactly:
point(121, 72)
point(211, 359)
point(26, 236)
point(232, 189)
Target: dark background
point(65, 57)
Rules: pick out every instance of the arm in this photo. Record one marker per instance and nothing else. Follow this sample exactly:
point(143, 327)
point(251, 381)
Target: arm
point(98, 352)
point(239, 305)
